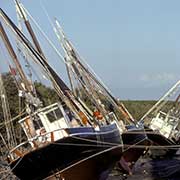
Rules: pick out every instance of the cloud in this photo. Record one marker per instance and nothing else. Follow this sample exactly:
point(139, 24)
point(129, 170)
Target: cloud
point(154, 80)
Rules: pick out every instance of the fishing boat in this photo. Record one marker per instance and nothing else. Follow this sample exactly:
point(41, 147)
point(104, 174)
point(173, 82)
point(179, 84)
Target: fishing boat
point(60, 140)
point(72, 152)
point(104, 102)
point(95, 89)
point(163, 123)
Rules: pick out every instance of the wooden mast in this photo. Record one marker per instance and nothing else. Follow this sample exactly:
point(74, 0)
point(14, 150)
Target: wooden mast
point(62, 90)
point(28, 26)
point(14, 57)
point(76, 64)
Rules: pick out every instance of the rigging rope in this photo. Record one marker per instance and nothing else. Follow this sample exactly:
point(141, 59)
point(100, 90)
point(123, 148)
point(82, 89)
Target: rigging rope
point(46, 37)
point(83, 160)
point(11, 170)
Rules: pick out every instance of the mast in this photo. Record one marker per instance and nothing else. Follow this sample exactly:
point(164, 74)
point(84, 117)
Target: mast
point(162, 101)
point(62, 90)
point(70, 79)
point(14, 57)
point(26, 90)
point(85, 74)
point(80, 75)
point(22, 15)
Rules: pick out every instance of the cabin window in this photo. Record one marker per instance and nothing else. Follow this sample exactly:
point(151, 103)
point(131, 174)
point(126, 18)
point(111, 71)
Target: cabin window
point(37, 122)
point(54, 115)
point(162, 116)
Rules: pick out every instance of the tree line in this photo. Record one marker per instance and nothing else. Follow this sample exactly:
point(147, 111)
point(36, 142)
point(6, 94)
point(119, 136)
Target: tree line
point(47, 95)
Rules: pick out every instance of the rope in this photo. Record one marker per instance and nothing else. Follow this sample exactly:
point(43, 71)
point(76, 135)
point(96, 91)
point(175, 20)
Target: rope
point(131, 146)
point(46, 37)
point(85, 145)
point(13, 119)
point(95, 141)
point(11, 170)
point(162, 100)
point(85, 159)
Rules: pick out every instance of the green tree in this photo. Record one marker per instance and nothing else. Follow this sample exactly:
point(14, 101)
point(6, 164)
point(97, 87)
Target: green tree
point(46, 94)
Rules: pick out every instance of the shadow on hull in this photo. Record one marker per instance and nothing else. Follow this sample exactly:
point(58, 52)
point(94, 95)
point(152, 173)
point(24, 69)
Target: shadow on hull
point(132, 139)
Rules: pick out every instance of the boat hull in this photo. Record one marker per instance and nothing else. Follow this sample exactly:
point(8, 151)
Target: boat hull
point(133, 138)
point(159, 140)
point(84, 146)
point(96, 167)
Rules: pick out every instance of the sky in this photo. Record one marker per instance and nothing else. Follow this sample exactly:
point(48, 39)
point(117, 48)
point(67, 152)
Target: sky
point(132, 45)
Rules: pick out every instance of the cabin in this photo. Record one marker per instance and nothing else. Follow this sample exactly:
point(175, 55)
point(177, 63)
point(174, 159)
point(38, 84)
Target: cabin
point(167, 125)
point(47, 124)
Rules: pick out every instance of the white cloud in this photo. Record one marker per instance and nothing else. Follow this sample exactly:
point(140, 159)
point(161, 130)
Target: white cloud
point(151, 80)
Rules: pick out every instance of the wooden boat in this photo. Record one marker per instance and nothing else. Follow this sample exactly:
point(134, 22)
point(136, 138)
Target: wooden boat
point(56, 144)
point(162, 122)
point(132, 134)
point(63, 150)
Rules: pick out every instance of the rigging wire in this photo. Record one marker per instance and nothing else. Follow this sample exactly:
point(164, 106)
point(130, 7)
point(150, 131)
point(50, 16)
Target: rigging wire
point(158, 105)
point(11, 170)
point(43, 7)
point(146, 146)
point(11, 139)
point(14, 118)
point(60, 87)
point(46, 37)
point(53, 44)
point(83, 160)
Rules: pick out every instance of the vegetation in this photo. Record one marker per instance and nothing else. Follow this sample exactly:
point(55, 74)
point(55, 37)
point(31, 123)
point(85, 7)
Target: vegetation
point(138, 108)
point(11, 93)
point(47, 96)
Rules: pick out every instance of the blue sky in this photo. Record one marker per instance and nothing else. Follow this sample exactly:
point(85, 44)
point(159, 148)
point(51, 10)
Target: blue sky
point(133, 45)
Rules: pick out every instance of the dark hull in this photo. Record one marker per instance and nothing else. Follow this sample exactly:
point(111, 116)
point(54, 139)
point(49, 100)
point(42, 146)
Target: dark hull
point(58, 156)
point(96, 167)
point(133, 138)
point(160, 140)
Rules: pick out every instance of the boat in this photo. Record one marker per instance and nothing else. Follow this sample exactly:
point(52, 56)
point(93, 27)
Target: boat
point(55, 143)
point(132, 134)
point(71, 152)
point(162, 122)
point(103, 101)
